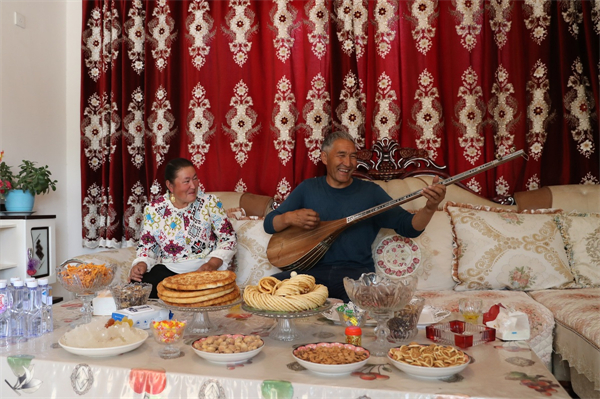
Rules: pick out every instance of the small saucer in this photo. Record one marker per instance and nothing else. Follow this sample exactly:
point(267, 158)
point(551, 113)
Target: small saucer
point(7, 213)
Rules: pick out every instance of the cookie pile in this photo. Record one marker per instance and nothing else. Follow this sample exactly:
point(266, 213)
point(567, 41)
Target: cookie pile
point(199, 289)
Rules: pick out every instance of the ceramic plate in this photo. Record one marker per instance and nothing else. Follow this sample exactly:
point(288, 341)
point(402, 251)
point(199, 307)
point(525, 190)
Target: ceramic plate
point(331, 369)
point(227, 358)
point(105, 352)
point(429, 373)
point(431, 315)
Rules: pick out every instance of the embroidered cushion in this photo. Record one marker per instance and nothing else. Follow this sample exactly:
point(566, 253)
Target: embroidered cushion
point(500, 248)
point(250, 262)
point(581, 233)
point(435, 246)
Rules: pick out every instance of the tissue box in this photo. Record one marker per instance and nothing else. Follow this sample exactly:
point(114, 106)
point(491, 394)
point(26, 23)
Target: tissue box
point(143, 315)
point(103, 304)
point(517, 330)
point(510, 325)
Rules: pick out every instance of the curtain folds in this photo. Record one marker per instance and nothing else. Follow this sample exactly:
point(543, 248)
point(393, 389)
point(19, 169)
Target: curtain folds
point(247, 90)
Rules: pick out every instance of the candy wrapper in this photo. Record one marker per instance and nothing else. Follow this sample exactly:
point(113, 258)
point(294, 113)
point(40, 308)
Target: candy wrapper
point(510, 325)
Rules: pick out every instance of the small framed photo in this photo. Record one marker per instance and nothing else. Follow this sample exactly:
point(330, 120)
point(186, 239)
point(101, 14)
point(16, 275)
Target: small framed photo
point(40, 242)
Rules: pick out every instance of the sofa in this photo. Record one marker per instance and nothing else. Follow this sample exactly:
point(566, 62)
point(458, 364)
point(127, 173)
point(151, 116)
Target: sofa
point(541, 260)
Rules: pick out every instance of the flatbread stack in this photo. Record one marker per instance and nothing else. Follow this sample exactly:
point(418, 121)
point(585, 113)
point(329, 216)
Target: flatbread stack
point(199, 289)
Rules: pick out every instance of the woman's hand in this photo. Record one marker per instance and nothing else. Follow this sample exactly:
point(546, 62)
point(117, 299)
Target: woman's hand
point(212, 264)
point(137, 271)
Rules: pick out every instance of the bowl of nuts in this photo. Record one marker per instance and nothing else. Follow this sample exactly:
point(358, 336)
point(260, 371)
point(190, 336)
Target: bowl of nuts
point(228, 348)
point(131, 294)
point(333, 358)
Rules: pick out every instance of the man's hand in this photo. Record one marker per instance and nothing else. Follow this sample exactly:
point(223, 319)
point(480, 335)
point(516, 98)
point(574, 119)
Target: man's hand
point(212, 264)
point(303, 218)
point(435, 194)
point(137, 271)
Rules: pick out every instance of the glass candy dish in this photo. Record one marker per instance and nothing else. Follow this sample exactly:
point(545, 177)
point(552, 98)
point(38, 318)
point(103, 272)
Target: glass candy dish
point(131, 294)
point(168, 333)
point(403, 326)
point(380, 296)
point(84, 280)
point(460, 333)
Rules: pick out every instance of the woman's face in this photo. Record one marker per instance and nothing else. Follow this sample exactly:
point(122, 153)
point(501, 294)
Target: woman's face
point(185, 188)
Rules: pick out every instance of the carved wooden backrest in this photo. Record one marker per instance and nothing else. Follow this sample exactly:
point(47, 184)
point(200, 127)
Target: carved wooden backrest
point(387, 161)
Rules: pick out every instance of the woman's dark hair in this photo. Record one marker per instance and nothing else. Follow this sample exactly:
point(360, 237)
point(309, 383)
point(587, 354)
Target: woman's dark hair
point(173, 166)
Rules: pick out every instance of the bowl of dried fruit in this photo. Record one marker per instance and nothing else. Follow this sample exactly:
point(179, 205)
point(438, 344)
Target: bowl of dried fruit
point(331, 357)
point(228, 348)
point(429, 361)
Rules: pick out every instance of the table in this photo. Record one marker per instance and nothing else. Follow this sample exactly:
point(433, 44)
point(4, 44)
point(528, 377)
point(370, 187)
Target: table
point(500, 369)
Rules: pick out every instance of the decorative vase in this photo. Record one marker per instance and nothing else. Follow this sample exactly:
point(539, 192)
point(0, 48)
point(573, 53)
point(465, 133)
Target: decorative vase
point(19, 201)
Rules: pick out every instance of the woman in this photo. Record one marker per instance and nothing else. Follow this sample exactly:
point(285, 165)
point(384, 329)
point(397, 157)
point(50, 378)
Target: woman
point(185, 230)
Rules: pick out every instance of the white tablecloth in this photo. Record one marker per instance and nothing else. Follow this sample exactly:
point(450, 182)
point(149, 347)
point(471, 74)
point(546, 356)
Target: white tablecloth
point(41, 368)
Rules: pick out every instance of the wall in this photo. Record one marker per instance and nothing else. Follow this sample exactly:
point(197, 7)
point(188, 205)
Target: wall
point(39, 106)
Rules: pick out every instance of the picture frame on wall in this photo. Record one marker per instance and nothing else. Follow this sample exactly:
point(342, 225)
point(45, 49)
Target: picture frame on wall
point(40, 241)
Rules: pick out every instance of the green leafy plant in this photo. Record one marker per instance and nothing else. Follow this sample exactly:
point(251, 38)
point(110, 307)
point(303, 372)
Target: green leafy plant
point(33, 179)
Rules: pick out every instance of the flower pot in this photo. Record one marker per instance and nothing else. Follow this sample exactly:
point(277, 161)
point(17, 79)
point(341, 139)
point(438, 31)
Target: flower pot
point(19, 201)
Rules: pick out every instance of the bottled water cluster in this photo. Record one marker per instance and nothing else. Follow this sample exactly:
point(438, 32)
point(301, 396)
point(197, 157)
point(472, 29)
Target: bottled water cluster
point(25, 309)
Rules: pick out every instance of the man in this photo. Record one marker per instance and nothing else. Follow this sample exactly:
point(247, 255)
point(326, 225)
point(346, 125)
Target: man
point(337, 195)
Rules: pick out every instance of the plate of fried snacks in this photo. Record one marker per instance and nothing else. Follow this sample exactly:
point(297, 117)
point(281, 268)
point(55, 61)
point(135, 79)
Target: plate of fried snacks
point(95, 339)
point(228, 348)
point(429, 361)
point(331, 357)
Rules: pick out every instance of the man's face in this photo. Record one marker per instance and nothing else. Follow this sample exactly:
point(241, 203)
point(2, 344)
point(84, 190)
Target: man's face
point(340, 161)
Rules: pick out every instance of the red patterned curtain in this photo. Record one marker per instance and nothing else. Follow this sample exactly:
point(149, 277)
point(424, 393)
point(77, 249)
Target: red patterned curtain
point(248, 89)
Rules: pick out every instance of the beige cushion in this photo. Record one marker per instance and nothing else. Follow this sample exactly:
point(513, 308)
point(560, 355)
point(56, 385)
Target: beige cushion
point(435, 246)
point(499, 248)
point(581, 233)
point(250, 261)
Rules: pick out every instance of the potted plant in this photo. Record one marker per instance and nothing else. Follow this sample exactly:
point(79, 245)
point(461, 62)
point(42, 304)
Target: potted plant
point(29, 182)
point(6, 178)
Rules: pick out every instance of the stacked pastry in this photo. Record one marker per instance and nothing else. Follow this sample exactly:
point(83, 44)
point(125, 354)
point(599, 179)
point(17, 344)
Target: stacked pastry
point(199, 289)
point(295, 294)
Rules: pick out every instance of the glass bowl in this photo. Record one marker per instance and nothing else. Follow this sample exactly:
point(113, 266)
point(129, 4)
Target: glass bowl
point(352, 317)
point(380, 296)
point(84, 278)
point(168, 333)
point(403, 326)
point(131, 294)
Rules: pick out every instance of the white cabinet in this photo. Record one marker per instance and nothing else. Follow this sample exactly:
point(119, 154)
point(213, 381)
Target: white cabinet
point(20, 233)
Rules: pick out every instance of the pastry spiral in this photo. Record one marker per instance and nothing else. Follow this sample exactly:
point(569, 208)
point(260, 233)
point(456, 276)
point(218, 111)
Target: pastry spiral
point(295, 294)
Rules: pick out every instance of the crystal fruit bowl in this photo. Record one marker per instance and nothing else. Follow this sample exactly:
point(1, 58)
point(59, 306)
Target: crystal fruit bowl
point(85, 280)
point(380, 296)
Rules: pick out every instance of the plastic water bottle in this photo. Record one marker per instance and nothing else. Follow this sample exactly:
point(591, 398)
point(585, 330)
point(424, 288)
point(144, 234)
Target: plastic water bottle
point(33, 311)
point(4, 313)
point(17, 312)
point(46, 295)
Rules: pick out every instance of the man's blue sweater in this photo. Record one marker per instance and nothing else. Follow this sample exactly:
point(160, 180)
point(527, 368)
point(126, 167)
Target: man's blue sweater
point(352, 248)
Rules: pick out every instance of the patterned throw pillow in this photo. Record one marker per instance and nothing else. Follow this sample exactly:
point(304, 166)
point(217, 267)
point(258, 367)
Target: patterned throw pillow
point(581, 232)
point(397, 256)
point(435, 246)
point(499, 248)
point(250, 261)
